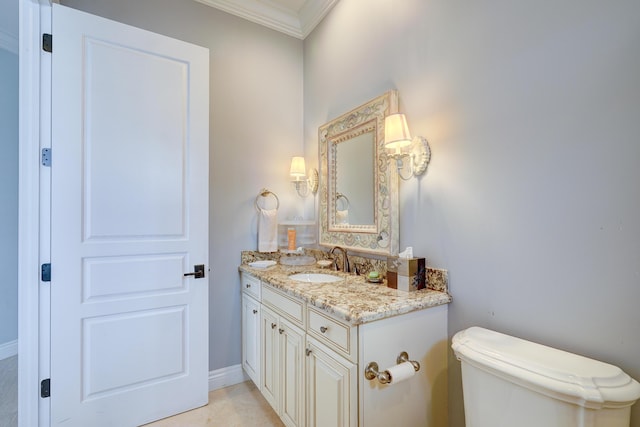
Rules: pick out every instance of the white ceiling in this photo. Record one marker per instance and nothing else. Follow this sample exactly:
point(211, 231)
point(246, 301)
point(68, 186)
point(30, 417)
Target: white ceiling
point(296, 18)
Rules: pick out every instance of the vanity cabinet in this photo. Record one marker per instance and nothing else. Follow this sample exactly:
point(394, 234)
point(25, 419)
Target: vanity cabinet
point(312, 363)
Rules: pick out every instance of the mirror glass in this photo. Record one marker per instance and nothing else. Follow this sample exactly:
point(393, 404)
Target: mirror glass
point(354, 184)
point(358, 189)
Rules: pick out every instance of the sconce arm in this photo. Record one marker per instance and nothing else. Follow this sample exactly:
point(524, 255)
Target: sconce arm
point(310, 185)
point(418, 158)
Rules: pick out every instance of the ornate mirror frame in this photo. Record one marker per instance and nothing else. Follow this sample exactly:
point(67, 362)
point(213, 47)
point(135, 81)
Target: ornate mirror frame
point(381, 237)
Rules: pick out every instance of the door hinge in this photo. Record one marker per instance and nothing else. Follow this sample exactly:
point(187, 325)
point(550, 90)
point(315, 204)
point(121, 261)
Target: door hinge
point(47, 42)
point(45, 388)
point(46, 157)
point(45, 273)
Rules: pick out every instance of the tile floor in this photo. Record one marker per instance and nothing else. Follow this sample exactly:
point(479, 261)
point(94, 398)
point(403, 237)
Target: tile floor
point(240, 405)
point(9, 392)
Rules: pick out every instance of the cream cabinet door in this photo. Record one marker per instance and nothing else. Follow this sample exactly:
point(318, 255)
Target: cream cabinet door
point(269, 352)
point(292, 366)
point(331, 385)
point(283, 367)
point(251, 338)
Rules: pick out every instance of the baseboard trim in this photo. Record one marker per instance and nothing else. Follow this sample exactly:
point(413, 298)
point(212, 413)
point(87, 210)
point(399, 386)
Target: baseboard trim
point(8, 349)
point(225, 377)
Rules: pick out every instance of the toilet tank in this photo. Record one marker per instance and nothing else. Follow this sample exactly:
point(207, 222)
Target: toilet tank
point(508, 382)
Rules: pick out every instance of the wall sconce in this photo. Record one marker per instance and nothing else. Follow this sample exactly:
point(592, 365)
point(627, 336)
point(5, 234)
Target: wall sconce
point(299, 178)
point(400, 145)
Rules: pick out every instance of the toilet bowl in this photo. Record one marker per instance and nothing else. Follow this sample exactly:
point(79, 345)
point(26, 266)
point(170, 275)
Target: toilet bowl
point(509, 382)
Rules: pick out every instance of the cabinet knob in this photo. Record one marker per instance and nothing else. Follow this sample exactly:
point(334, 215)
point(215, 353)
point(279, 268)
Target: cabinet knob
point(281, 330)
point(308, 351)
point(323, 329)
point(248, 285)
point(273, 326)
point(255, 311)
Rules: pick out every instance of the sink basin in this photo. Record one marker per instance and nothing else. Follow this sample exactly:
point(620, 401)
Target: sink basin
point(315, 278)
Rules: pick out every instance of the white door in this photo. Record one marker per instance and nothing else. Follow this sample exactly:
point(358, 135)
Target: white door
point(129, 206)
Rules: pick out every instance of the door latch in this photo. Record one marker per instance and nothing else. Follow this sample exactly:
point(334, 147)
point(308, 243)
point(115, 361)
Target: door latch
point(198, 272)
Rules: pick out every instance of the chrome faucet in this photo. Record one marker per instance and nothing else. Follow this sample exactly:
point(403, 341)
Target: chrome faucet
point(345, 260)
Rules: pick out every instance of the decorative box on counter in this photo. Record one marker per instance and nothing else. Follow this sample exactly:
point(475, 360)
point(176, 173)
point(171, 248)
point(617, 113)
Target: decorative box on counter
point(406, 274)
point(304, 235)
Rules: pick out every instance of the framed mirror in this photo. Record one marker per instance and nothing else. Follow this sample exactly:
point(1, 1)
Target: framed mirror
point(358, 189)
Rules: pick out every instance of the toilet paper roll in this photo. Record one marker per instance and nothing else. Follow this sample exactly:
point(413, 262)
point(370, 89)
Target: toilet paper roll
point(401, 372)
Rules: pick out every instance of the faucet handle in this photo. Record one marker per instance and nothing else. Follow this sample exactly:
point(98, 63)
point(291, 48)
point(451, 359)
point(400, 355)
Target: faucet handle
point(357, 268)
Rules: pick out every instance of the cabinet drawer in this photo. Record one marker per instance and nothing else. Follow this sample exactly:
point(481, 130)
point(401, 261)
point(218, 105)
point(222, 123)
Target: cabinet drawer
point(287, 306)
point(336, 335)
point(250, 285)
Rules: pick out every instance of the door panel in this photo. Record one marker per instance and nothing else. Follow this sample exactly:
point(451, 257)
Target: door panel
point(129, 216)
point(147, 360)
point(134, 124)
point(120, 277)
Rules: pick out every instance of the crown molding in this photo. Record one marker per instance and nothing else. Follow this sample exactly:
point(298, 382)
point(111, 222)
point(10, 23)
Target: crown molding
point(8, 42)
point(312, 13)
point(272, 15)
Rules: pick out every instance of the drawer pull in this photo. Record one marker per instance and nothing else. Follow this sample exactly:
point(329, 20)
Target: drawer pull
point(273, 326)
point(308, 351)
point(281, 331)
point(323, 329)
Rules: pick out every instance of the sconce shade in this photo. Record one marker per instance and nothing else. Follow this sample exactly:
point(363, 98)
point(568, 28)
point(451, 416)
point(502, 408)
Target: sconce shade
point(396, 132)
point(298, 169)
point(414, 152)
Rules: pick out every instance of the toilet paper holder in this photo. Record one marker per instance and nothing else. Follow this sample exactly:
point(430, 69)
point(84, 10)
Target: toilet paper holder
point(372, 370)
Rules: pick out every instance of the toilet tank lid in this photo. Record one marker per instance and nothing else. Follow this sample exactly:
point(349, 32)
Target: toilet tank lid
point(556, 373)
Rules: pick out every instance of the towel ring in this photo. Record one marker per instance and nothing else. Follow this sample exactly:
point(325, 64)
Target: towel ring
point(264, 193)
point(342, 196)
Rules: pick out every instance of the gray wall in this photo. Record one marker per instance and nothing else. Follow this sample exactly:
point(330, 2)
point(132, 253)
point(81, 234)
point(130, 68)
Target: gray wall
point(8, 196)
point(255, 129)
point(532, 199)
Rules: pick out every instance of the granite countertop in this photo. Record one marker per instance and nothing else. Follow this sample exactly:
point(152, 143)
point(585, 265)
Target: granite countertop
point(353, 300)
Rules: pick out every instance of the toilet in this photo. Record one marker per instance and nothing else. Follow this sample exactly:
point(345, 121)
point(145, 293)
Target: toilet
point(509, 382)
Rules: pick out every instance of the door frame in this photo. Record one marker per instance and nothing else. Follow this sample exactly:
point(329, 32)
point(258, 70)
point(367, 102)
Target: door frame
point(34, 133)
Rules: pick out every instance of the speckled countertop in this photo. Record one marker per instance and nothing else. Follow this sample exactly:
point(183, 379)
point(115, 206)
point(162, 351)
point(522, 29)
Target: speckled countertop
point(353, 299)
